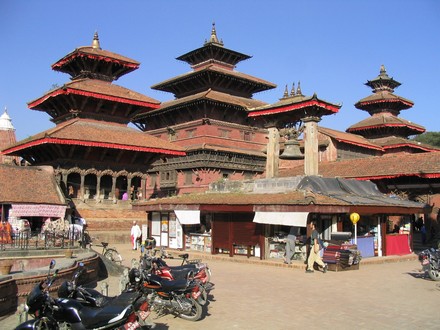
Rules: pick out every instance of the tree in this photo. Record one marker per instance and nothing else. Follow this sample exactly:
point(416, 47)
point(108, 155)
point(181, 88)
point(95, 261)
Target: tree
point(431, 138)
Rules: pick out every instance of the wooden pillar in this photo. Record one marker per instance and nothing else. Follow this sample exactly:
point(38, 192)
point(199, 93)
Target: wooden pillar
point(311, 145)
point(273, 152)
point(143, 185)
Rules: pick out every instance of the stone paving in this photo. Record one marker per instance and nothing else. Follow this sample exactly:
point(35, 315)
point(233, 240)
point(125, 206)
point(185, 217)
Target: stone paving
point(251, 294)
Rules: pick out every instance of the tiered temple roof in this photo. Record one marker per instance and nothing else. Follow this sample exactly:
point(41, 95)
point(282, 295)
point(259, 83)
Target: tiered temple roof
point(384, 108)
point(213, 89)
point(92, 114)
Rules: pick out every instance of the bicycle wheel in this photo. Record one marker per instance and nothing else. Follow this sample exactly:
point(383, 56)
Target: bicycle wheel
point(113, 255)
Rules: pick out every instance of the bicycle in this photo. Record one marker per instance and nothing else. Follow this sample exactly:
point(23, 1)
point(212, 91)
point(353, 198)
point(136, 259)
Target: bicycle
point(110, 253)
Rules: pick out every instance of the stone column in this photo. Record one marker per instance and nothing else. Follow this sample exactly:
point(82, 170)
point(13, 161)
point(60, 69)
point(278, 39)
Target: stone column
point(311, 145)
point(273, 152)
point(114, 189)
point(98, 188)
point(81, 188)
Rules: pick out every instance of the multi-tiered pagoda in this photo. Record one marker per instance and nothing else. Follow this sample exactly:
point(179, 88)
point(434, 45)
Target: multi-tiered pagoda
point(384, 127)
point(209, 117)
point(95, 154)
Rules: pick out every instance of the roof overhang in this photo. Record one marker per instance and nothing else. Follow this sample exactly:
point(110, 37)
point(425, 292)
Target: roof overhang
point(55, 141)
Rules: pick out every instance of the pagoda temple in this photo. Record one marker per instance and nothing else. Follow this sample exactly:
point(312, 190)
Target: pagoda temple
point(96, 156)
point(384, 127)
point(209, 117)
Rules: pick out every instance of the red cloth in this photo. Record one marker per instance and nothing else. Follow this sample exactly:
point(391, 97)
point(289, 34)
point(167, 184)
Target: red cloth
point(397, 245)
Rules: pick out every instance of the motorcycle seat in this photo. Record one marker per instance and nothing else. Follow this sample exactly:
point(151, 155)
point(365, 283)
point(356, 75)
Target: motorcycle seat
point(167, 285)
point(93, 317)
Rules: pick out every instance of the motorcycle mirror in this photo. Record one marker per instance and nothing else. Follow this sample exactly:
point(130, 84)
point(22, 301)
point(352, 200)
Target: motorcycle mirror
point(52, 264)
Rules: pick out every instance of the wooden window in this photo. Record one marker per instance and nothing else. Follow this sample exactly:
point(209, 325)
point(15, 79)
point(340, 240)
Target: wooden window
point(247, 136)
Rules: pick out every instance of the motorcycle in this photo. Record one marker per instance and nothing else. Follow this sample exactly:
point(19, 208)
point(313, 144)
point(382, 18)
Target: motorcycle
point(200, 272)
point(93, 298)
point(430, 260)
point(65, 313)
point(177, 297)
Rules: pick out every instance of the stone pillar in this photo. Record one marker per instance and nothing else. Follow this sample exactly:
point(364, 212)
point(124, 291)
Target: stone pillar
point(311, 145)
point(114, 189)
point(98, 188)
point(81, 189)
point(273, 153)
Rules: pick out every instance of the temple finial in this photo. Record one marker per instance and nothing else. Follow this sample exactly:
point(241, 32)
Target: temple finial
point(292, 92)
point(382, 69)
point(286, 92)
point(213, 38)
point(298, 90)
point(95, 42)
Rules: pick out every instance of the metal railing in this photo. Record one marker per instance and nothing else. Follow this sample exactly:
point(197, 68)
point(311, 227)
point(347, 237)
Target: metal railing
point(28, 240)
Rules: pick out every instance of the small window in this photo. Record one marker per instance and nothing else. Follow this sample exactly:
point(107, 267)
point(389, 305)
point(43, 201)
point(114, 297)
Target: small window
point(247, 136)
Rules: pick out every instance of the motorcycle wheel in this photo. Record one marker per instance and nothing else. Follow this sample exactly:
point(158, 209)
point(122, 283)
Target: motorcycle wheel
point(195, 314)
point(203, 298)
point(434, 274)
point(113, 255)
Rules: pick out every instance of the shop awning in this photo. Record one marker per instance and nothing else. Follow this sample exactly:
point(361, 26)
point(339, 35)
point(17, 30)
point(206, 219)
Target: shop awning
point(188, 217)
point(297, 219)
point(38, 210)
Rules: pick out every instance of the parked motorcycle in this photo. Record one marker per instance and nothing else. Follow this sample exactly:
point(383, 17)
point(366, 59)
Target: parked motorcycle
point(65, 313)
point(430, 260)
point(93, 298)
point(178, 297)
point(200, 272)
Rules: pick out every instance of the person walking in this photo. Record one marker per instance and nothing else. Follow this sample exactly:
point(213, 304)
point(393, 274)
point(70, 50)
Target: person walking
point(135, 234)
point(290, 244)
point(314, 251)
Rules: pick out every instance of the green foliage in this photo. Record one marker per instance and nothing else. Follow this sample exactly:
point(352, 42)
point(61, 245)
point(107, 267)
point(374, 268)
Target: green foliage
point(431, 138)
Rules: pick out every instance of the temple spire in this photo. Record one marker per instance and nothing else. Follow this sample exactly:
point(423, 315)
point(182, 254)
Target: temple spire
point(298, 90)
point(95, 42)
point(286, 92)
point(6, 122)
point(292, 92)
point(213, 39)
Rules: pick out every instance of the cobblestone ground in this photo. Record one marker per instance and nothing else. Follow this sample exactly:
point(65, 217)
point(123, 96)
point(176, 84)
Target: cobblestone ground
point(254, 296)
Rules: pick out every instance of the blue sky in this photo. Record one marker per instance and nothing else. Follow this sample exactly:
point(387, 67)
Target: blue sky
point(332, 47)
